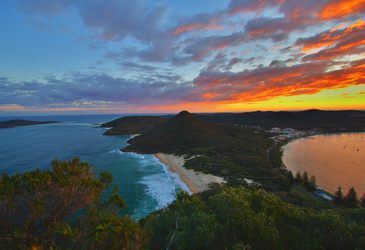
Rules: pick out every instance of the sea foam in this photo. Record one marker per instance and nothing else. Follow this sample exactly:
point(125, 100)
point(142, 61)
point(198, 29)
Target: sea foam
point(161, 184)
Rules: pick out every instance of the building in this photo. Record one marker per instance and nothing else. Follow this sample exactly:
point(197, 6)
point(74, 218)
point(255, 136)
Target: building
point(275, 130)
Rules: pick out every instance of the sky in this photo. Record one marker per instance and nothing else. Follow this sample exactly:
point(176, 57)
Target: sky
point(163, 56)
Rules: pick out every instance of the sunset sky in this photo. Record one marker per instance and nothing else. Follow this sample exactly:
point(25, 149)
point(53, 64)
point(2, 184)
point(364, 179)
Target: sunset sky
point(141, 56)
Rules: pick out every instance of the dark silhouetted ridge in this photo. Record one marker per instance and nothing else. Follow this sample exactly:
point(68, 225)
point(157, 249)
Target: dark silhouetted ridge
point(330, 121)
point(182, 130)
point(16, 123)
point(132, 125)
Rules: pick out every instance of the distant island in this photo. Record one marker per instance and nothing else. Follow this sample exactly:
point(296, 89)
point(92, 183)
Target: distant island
point(17, 123)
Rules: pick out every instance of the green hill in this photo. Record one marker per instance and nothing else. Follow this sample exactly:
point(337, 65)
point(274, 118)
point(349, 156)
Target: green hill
point(178, 135)
point(224, 150)
point(132, 125)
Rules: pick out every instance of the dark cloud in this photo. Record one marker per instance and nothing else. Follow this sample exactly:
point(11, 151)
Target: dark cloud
point(109, 20)
point(137, 67)
point(204, 47)
point(85, 88)
point(221, 62)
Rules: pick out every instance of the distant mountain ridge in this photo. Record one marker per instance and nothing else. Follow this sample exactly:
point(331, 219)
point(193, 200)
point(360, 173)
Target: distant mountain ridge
point(327, 121)
point(309, 119)
point(16, 123)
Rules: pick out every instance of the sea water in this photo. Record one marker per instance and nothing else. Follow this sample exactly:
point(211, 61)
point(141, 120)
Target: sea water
point(144, 183)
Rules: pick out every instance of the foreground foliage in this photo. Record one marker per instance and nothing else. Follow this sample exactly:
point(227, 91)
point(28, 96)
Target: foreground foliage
point(39, 208)
point(239, 218)
point(61, 209)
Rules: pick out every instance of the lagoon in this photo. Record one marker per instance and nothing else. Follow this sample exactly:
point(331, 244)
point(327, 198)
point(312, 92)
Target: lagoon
point(334, 159)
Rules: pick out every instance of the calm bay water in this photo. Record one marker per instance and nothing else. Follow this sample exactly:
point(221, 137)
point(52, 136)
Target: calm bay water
point(335, 160)
point(143, 181)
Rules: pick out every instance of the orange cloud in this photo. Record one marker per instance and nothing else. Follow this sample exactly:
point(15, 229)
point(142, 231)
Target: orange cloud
point(307, 85)
point(196, 26)
point(333, 36)
point(339, 42)
point(268, 83)
point(342, 8)
point(11, 107)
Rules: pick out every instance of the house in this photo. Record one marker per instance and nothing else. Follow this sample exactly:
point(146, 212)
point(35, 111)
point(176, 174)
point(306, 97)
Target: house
point(289, 133)
point(251, 183)
point(275, 130)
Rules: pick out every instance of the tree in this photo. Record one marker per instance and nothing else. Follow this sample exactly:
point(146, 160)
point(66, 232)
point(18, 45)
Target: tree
point(339, 196)
point(313, 180)
point(305, 178)
point(351, 199)
point(35, 208)
point(240, 218)
point(298, 177)
point(290, 177)
point(311, 185)
point(362, 200)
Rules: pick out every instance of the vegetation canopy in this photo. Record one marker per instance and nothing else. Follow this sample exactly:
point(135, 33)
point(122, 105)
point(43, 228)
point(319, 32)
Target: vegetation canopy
point(61, 209)
point(39, 208)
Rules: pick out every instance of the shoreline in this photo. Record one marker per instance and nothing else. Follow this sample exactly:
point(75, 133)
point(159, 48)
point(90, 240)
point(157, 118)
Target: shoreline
point(197, 182)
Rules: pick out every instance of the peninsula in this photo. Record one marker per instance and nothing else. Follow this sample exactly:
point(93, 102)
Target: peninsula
point(17, 123)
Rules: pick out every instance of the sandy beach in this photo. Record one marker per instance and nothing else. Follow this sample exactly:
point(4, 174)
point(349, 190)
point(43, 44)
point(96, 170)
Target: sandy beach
point(196, 181)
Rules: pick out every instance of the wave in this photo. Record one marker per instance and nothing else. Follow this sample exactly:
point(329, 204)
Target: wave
point(134, 155)
point(117, 150)
point(160, 184)
point(132, 136)
point(79, 124)
point(159, 188)
point(164, 185)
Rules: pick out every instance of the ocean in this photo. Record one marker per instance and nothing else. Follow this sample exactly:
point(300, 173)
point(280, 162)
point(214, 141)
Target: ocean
point(144, 183)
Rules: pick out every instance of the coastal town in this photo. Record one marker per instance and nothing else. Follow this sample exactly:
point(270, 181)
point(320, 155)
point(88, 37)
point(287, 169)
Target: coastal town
point(286, 134)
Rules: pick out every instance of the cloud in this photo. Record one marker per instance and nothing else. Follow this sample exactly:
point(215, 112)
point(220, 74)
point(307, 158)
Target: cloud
point(196, 26)
point(222, 62)
point(95, 88)
point(342, 8)
point(110, 20)
point(200, 22)
point(238, 6)
point(137, 67)
point(279, 80)
point(288, 64)
point(337, 43)
point(203, 47)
